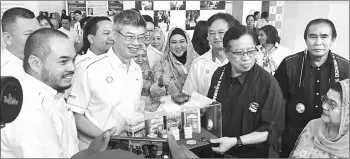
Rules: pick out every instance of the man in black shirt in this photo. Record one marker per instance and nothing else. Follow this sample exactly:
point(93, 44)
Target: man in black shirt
point(305, 76)
point(252, 101)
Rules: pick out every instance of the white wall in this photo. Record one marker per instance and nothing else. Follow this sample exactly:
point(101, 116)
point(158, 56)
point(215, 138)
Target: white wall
point(50, 6)
point(248, 6)
point(298, 13)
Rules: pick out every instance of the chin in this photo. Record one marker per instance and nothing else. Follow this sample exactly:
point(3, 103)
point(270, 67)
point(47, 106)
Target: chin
point(324, 118)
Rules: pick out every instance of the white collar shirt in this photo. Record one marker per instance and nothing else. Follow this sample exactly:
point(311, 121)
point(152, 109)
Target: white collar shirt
point(105, 91)
point(153, 55)
point(200, 74)
point(11, 65)
point(45, 127)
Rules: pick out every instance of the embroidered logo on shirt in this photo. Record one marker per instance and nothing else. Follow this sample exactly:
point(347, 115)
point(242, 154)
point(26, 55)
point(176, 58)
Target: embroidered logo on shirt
point(109, 79)
point(71, 96)
point(253, 107)
point(207, 71)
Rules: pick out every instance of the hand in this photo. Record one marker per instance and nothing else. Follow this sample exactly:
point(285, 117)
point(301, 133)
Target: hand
point(164, 79)
point(226, 143)
point(179, 151)
point(277, 146)
point(100, 143)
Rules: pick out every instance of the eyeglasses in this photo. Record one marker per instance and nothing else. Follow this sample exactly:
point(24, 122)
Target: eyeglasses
point(149, 31)
point(140, 38)
point(221, 34)
point(250, 52)
point(331, 104)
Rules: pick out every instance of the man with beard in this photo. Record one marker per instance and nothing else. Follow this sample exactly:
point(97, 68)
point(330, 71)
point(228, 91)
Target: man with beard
point(110, 85)
point(17, 25)
point(45, 128)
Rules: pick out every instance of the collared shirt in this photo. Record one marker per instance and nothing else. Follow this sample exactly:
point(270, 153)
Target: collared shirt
point(270, 60)
point(153, 55)
point(250, 102)
point(201, 72)
point(11, 65)
point(73, 36)
point(84, 58)
point(77, 28)
point(45, 127)
point(105, 91)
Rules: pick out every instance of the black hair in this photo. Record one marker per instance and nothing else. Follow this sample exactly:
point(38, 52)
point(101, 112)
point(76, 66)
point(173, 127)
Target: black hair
point(265, 15)
point(66, 17)
point(236, 32)
point(231, 22)
point(318, 21)
point(148, 18)
point(78, 11)
point(42, 17)
point(199, 38)
point(10, 16)
point(91, 27)
point(255, 14)
point(38, 44)
point(83, 22)
point(271, 34)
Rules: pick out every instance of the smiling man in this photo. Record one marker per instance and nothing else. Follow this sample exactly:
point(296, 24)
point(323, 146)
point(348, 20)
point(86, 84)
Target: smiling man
point(305, 76)
point(109, 85)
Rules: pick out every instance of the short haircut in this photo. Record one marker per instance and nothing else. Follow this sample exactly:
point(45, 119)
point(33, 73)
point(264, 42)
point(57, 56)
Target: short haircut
point(231, 22)
point(10, 16)
point(128, 17)
point(90, 28)
point(318, 21)
point(236, 32)
point(83, 21)
point(271, 34)
point(38, 44)
point(246, 19)
point(66, 17)
point(78, 11)
point(148, 18)
point(42, 17)
point(264, 15)
point(256, 13)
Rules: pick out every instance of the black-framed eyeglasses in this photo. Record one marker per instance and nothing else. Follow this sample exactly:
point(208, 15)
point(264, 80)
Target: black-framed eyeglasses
point(150, 31)
point(250, 52)
point(140, 38)
point(331, 105)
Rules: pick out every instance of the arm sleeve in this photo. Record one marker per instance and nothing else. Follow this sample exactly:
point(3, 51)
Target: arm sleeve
point(282, 79)
point(81, 92)
point(191, 83)
point(272, 113)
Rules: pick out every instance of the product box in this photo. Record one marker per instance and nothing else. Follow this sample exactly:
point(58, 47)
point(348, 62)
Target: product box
point(172, 116)
point(191, 111)
point(135, 125)
point(154, 123)
point(212, 119)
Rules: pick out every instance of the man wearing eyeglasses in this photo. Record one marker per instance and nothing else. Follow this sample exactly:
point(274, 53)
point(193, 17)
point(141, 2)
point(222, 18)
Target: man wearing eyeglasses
point(252, 101)
point(109, 85)
point(202, 69)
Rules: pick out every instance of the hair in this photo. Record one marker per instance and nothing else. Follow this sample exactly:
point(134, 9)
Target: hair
point(231, 22)
point(199, 38)
point(136, 10)
point(42, 17)
point(128, 17)
point(148, 18)
point(246, 19)
point(38, 44)
point(66, 17)
point(91, 27)
point(318, 21)
point(236, 32)
point(256, 13)
point(51, 15)
point(337, 87)
point(271, 34)
point(10, 16)
point(83, 22)
point(264, 15)
point(78, 11)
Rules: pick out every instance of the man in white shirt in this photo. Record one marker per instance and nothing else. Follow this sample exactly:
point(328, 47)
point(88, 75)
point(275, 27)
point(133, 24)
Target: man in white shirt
point(18, 24)
point(73, 36)
point(106, 88)
point(45, 127)
point(202, 69)
point(78, 17)
point(153, 54)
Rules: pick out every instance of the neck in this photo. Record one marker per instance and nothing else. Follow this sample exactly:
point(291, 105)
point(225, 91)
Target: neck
point(122, 59)
point(235, 73)
point(333, 130)
point(96, 50)
point(318, 60)
point(147, 45)
point(268, 47)
point(219, 54)
point(14, 52)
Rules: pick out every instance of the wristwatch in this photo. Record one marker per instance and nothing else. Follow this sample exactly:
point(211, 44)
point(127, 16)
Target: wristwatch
point(239, 142)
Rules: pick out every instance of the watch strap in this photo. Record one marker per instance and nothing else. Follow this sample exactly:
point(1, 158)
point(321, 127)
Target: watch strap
point(239, 141)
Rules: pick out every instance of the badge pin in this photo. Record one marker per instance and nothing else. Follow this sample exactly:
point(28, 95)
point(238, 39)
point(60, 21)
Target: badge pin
point(109, 79)
point(300, 107)
point(253, 107)
point(210, 124)
point(207, 71)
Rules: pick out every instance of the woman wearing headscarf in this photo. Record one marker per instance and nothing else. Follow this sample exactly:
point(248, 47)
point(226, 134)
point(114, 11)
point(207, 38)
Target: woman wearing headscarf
point(156, 50)
point(171, 71)
point(148, 79)
point(328, 136)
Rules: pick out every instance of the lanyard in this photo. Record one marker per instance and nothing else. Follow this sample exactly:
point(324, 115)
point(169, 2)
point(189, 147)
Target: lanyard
point(218, 85)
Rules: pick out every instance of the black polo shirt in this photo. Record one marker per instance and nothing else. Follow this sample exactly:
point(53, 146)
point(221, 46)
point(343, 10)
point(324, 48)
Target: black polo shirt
point(250, 102)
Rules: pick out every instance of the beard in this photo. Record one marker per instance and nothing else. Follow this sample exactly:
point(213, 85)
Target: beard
point(52, 81)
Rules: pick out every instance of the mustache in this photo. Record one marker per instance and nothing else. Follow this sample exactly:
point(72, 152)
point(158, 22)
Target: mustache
point(68, 73)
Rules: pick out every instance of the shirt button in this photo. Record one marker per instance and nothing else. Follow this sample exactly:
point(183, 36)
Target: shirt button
point(317, 93)
point(316, 106)
point(318, 69)
point(318, 81)
point(68, 109)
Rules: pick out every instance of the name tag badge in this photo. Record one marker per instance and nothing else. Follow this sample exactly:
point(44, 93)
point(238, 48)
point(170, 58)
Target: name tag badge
point(253, 107)
point(109, 79)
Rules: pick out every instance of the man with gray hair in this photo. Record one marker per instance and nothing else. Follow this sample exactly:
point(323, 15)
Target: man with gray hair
point(103, 99)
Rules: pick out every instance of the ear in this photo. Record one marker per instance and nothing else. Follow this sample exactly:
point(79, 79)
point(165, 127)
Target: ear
point(90, 38)
point(35, 63)
point(333, 40)
point(7, 38)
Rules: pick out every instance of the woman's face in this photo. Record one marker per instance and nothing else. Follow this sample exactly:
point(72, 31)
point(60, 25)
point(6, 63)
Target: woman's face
point(141, 57)
point(178, 45)
point(44, 24)
point(158, 41)
point(262, 37)
point(331, 104)
point(250, 22)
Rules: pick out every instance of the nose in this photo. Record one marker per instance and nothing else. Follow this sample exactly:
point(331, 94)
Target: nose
point(318, 41)
point(216, 36)
point(136, 42)
point(324, 106)
point(71, 67)
point(245, 56)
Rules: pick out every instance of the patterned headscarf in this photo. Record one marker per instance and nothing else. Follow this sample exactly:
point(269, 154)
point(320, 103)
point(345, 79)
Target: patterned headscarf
point(158, 30)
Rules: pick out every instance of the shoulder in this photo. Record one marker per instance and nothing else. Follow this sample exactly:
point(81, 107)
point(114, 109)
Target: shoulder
point(265, 77)
point(341, 59)
point(294, 57)
point(202, 58)
point(97, 61)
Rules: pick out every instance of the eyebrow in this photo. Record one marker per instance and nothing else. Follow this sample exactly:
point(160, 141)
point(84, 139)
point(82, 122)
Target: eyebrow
point(65, 57)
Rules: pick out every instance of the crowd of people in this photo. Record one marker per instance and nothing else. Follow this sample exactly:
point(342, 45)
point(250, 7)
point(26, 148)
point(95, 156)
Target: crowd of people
point(80, 82)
